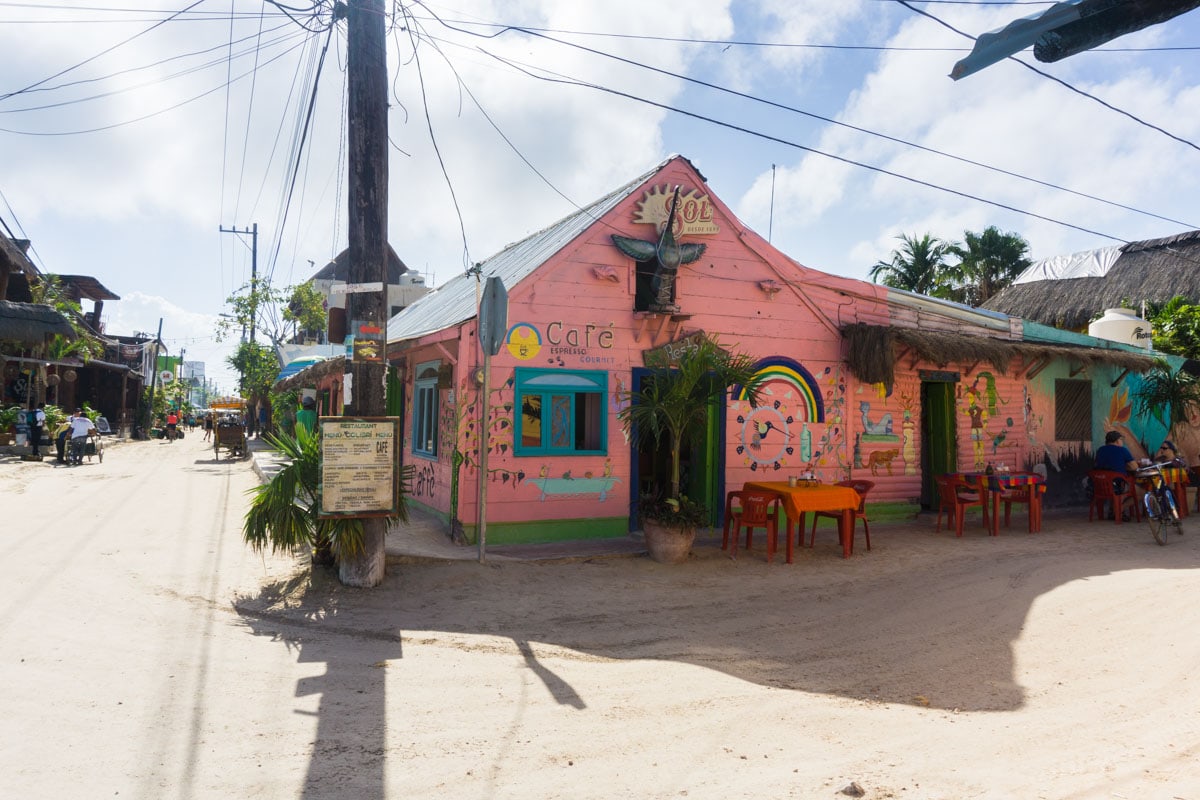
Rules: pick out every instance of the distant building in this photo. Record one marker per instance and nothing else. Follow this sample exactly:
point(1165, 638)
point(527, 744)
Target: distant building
point(404, 288)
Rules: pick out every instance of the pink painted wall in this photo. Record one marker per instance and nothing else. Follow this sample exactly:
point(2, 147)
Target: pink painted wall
point(752, 298)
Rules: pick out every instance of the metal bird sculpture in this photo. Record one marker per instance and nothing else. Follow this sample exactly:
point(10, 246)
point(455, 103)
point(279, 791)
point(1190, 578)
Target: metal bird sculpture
point(667, 252)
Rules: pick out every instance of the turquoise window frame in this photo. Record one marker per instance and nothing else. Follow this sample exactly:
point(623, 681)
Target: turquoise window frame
point(426, 403)
point(547, 383)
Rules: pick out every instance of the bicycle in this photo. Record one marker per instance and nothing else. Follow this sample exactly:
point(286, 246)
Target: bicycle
point(1162, 509)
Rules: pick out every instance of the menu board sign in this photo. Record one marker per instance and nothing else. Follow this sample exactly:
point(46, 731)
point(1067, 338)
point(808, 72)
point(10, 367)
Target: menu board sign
point(360, 470)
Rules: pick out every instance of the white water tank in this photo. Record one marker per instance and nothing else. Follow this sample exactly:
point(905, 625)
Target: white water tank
point(1122, 325)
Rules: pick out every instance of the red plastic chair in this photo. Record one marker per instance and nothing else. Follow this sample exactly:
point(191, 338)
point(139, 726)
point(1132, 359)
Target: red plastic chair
point(955, 496)
point(1029, 495)
point(860, 486)
point(756, 510)
point(1103, 492)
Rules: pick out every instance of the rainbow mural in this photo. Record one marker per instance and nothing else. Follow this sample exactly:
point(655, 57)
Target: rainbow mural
point(778, 369)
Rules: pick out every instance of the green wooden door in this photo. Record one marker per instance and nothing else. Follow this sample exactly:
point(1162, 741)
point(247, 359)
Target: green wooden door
point(939, 439)
point(703, 468)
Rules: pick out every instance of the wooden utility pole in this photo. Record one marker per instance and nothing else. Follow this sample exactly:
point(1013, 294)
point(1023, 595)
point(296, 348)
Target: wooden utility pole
point(148, 419)
point(253, 275)
point(366, 77)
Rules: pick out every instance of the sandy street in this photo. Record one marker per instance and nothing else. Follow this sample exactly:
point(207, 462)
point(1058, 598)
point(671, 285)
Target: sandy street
point(146, 653)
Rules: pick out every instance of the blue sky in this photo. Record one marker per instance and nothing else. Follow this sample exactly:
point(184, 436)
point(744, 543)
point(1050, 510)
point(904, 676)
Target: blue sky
point(140, 205)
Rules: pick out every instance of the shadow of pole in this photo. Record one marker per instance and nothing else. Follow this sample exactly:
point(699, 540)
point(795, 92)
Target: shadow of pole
point(559, 689)
point(349, 752)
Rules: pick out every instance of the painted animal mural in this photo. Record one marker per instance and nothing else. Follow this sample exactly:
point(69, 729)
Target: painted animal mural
point(881, 458)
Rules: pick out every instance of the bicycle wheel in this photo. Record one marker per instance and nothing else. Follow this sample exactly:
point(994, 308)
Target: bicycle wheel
point(1154, 518)
point(1172, 517)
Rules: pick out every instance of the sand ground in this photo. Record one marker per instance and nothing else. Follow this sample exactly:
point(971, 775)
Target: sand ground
point(147, 653)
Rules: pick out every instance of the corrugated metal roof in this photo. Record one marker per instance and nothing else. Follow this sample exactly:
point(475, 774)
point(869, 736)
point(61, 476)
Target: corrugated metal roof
point(454, 301)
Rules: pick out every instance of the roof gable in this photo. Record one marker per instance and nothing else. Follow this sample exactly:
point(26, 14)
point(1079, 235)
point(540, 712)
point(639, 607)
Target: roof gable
point(453, 302)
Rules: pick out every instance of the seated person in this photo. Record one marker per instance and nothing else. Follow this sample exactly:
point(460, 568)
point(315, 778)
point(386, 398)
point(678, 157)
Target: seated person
point(1114, 455)
point(1166, 452)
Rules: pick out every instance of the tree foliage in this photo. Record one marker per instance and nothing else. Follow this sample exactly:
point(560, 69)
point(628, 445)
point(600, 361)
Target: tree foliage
point(85, 345)
point(273, 312)
point(986, 263)
point(673, 400)
point(283, 512)
point(306, 309)
point(249, 304)
point(258, 366)
point(1176, 326)
point(1169, 396)
point(918, 265)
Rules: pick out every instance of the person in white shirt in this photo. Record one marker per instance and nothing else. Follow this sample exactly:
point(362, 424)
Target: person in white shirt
point(36, 427)
point(81, 426)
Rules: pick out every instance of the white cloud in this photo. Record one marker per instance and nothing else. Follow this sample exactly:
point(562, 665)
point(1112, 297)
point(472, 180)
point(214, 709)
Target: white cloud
point(140, 206)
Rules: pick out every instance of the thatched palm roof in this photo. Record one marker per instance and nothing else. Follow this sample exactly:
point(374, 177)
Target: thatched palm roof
point(1155, 270)
point(30, 323)
point(874, 350)
point(309, 377)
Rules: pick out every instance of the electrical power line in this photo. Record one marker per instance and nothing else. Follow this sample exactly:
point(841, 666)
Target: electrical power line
point(562, 79)
point(1059, 81)
point(856, 128)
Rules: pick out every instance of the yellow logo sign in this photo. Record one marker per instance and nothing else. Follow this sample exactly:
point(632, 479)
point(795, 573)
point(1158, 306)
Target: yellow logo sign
point(524, 341)
point(693, 216)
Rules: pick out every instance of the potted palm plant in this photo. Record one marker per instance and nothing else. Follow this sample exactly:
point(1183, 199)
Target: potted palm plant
point(283, 511)
point(669, 408)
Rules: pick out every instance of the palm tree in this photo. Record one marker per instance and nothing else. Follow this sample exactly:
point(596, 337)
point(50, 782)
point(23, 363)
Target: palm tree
point(918, 265)
point(84, 345)
point(988, 262)
point(283, 511)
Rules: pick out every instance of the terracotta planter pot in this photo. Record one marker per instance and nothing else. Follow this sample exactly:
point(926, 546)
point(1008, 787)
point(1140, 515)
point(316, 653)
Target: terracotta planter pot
point(668, 545)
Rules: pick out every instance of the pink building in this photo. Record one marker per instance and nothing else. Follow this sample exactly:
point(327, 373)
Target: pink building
point(863, 381)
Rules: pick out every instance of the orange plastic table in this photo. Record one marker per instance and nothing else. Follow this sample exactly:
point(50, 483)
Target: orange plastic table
point(797, 500)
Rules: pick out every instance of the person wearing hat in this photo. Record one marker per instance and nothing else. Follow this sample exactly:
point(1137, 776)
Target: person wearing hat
point(306, 417)
point(1114, 455)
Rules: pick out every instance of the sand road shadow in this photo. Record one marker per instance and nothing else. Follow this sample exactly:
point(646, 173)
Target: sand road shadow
point(921, 620)
point(348, 753)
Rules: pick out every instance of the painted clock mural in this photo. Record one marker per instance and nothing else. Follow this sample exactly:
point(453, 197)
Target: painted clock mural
point(775, 433)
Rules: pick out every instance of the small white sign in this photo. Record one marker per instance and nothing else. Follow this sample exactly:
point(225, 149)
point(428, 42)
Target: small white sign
point(355, 288)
